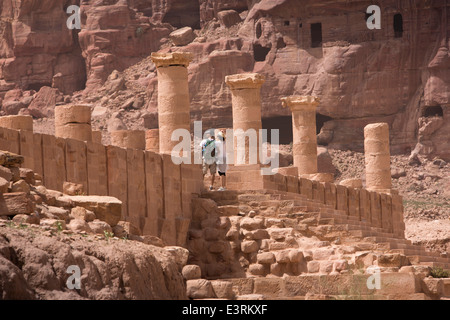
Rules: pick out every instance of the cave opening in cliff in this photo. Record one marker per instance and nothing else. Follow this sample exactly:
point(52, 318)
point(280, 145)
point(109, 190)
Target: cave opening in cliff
point(183, 13)
point(433, 111)
point(38, 85)
point(320, 121)
point(398, 25)
point(260, 52)
point(283, 124)
point(316, 35)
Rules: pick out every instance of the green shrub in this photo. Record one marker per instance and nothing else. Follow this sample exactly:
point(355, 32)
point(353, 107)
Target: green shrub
point(438, 272)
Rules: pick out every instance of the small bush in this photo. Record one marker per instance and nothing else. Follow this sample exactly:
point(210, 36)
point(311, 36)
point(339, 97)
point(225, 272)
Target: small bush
point(438, 272)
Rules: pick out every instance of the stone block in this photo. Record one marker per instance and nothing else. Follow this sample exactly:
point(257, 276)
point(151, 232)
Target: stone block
point(223, 289)
point(306, 188)
point(375, 209)
point(353, 202)
point(182, 36)
point(191, 272)
point(249, 246)
point(199, 289)
point(155, 193)
point(27, 148)
point(9, 140)
point(54, 165)
point(266, 258)
point(313, 266)
point(15, 203)
point(107, 209)
point(228, 18)
point(97, 169)
point(117, 177)
point(137, 204)
point(256, 269)
point(252, 223)
point(342, 198)
point(386, 212)
point(364, 205)
point(318, 191)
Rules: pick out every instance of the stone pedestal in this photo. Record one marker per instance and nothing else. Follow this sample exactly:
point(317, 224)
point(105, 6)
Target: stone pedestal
point(304, 146)
point(377, 157)
point(133, 139)
point(246, 102)
point(152, 140)
point(17, 122)
point(173, 96)
point(73, 122)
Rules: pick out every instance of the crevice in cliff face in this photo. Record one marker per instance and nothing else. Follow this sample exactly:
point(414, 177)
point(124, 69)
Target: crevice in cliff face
point(183, 13)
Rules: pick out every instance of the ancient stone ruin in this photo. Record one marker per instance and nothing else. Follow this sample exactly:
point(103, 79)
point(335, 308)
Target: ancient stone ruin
point(268, 236)
point(99, 188)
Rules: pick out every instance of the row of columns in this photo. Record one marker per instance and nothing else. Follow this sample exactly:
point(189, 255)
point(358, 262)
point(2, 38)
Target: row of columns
point(74, 121)
point(173, 113)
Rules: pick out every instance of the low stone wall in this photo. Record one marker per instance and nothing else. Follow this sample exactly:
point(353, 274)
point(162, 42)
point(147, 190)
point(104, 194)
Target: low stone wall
point(381, 210)
point(155, 192)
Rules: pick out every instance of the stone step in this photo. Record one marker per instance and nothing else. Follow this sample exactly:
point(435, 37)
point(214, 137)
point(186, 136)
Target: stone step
point(375, 239)
point(421, 258)
point(435, 264)
point(228, 210)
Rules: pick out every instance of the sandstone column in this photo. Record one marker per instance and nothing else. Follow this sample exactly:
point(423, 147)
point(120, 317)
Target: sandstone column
point(17, 122)
point(73, 122)
point(173, 96)
point(152, 140)
point(133, 139)
point(246, 104)
point(377, 157)
point(304, 144)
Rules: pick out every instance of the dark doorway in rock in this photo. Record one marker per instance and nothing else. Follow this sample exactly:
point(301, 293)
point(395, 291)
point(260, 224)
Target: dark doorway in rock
point(398, 25)
point(183, 13)
point(260, 52)
point(316, 35)
point(433, 111)
point(37, 86)
point(283, 124)
point(320, 121)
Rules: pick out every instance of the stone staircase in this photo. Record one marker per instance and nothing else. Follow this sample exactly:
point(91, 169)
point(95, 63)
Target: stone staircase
point(325, 222)
point(275, 238)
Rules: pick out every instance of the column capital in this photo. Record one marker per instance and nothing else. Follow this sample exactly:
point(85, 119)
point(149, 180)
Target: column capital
point(171, 59)
point(296, 103)
point(245, 81)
